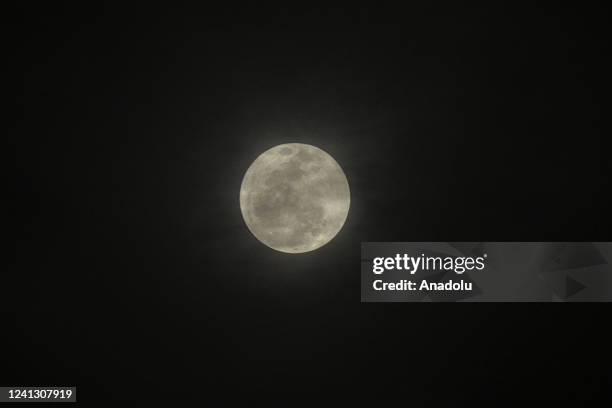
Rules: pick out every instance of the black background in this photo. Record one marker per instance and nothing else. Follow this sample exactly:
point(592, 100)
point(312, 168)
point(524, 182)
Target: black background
point(135, 278)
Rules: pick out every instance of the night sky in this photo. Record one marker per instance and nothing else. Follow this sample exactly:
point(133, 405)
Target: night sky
point(136, 279)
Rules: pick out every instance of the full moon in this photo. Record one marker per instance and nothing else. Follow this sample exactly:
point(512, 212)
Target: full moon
point(294, 198)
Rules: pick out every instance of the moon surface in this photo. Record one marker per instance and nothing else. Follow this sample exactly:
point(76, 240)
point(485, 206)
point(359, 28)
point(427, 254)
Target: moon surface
point(294, 198)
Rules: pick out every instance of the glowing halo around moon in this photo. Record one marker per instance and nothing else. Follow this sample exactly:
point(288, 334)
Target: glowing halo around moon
point(294, 198)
